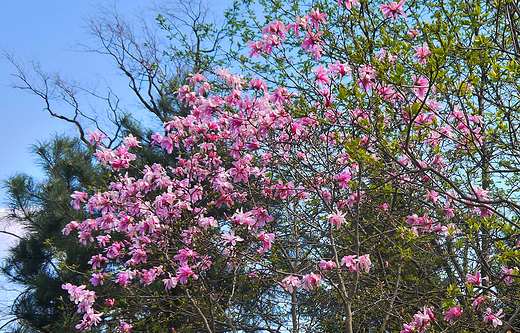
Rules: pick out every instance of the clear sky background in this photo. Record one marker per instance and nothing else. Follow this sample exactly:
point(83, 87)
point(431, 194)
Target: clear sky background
point(51, 32)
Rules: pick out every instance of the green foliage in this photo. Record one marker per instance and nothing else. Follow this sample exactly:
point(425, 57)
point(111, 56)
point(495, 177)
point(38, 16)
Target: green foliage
point(43, 209)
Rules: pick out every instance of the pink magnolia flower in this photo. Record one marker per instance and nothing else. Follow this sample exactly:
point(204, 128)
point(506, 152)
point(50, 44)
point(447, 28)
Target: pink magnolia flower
point(139, 255)
point(230, 237)
point(337, 218)
point(78, 198)
point(384, 55)
point(350, 262)
point(480, 193)
point(364, 263)
point(110, 302)
point(96, 261)
point(340, 69)
point(422, 53)
point(343, 178)
point(103, 240)
point(81, 296)
point(452, 314)
point(125, 327)
point(316, 50)
point(131, 141)
point(432, 195)
point(98, 278)
point(477, 302)
point(96, 137)
point(301, 22)
point(280, 97)
point(206, 222)
point(256, 48)
point(310, 281)
point(326, 265)
point(90, 318)
point(349, 3)
point(124, 278)
point(170, 283)
point(366, 76)
point(311, 42)
point(277, 28)
point(115, 250)
point(185, 255)
point(258, 83)
point(317, 18)
point(291, 283)
point(428, 311)
point(508, 280)
point(421, 86)
point(232, 80)
point(270, 41)
point(261, 216)
point(322, 75)
point(69, 227)
point(184, 273)
point(388, 93)
point(197, 78)
point(484, 211)
point(327, 100)
point(475, 279)
point(495, 319)
point(353, 199)
point(242, 218)
point(422, 320)
point(413, 33)
point(266, 239)
point(393, 9)
point(424, 222)
point(438, 162)
point(409, 328)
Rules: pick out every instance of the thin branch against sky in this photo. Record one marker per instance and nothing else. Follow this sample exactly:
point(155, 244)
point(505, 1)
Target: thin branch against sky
point(47, 33)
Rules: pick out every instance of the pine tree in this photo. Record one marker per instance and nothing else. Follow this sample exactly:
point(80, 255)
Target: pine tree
point(43, 258)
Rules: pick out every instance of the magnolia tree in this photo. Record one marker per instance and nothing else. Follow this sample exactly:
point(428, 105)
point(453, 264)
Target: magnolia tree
point(352, 190)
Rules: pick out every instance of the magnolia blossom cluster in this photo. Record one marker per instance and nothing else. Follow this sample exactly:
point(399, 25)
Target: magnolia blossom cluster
point(462, 133)
point(494, 319)
point(356, 264)
point(422, 320)
point(307, 282)
point(452, 314)
point(84, 298)
point(426, 225)
point(257, 133)
point(275, 34)
point(393, 9)
point(249, 171)
point(351, 263)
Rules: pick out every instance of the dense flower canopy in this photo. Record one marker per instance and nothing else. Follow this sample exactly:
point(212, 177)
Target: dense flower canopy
point(361, 192)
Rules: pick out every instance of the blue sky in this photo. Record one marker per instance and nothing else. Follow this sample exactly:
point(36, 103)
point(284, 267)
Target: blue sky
point(50, 32)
